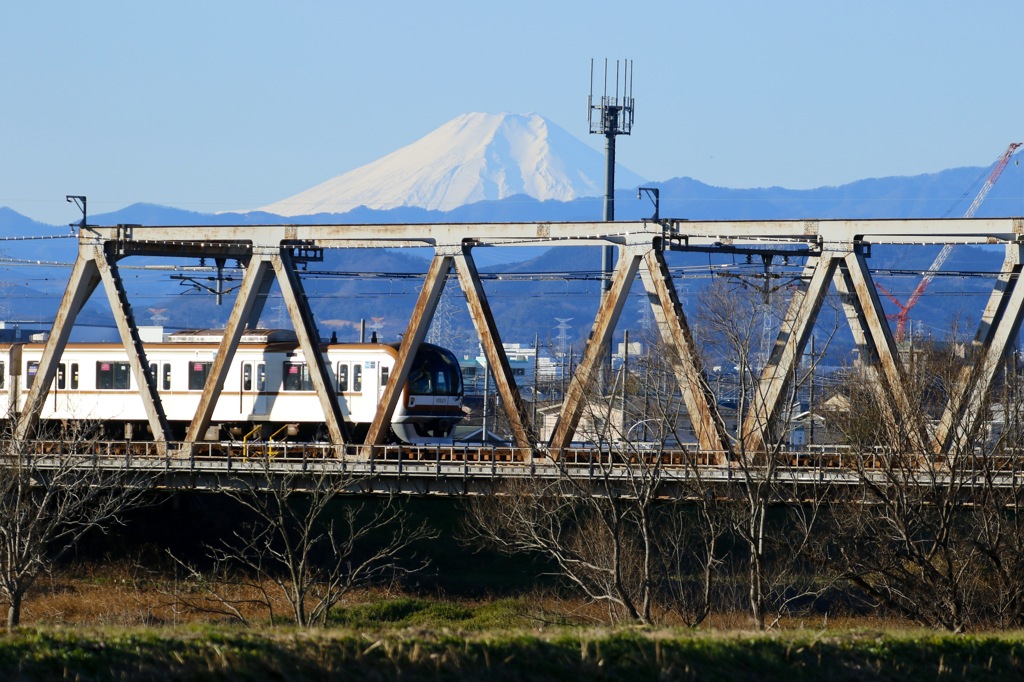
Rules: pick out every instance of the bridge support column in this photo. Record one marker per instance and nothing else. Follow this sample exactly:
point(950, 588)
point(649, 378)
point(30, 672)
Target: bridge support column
point(258, 275)
point(878, 352)
point(701, 404)
point(85, 277)
point(604, 324)
point(497, 359)
point(1000, 323)
point(309, 340)
point(136, 353)
point(777, 376)
point(419, 324)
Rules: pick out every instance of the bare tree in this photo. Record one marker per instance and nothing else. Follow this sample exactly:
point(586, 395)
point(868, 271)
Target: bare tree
point(690, 552)
point(584, 536)
point(610, 520)
point(53, 491)
point(682, 523)
point(738, 325)
point(999, 536)
point(616, 521)
point(937, 539)
point(303, 543)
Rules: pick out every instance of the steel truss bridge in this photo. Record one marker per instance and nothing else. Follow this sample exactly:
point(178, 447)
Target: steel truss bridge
point(470, 470)
point(836, 254)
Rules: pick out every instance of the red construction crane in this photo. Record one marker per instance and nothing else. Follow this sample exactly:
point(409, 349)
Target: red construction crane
point(904, 308)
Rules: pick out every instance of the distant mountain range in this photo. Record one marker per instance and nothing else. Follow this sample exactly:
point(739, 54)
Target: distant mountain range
point(493, 168)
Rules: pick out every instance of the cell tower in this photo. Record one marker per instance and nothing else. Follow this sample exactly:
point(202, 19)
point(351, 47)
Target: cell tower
point(611, 116)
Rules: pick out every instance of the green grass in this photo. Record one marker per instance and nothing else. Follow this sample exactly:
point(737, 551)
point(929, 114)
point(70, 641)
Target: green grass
point(417, 654)
point(403, 612)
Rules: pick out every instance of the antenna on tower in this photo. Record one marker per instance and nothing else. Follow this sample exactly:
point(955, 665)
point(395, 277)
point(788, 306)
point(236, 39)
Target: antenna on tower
point(611, 116)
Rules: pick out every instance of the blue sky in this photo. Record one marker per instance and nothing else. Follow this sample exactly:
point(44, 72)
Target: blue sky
point(225, 105)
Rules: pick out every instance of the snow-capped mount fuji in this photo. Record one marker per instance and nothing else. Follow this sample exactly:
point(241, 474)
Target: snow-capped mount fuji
point(474, 157)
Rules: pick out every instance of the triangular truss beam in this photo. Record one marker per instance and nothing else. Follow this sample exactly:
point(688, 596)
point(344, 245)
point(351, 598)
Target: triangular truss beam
point(837, 256)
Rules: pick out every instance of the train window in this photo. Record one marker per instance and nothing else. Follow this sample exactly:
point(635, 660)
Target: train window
point(31, 371)
point(166, 385)
point(62, 376)
point(419, 381)
point(342, 377)
point(435, 372)
point(3, 374)
point(384, 373)
point(152, 371)
point(246, 377)
point(261, 377)
point(197, 373)
point(357, 378)
point(296, 377)
point(112, 376)
point(74, 375)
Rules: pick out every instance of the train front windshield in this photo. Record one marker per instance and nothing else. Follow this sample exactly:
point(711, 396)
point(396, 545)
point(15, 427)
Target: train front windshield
point(435, 372)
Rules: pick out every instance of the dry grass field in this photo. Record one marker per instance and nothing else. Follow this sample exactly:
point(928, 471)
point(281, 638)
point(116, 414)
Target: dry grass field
point(115, 621)
point(125, 595)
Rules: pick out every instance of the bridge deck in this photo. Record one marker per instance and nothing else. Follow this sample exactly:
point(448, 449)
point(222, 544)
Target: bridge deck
point(463, 470)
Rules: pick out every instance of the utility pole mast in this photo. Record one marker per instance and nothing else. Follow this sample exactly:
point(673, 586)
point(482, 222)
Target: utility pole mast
point(611, 116)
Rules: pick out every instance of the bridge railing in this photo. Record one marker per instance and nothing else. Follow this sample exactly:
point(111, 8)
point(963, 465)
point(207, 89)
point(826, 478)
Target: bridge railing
point(229, 455)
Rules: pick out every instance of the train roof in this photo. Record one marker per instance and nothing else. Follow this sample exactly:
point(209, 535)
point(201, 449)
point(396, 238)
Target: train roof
point(283, 340)
point(248, 336)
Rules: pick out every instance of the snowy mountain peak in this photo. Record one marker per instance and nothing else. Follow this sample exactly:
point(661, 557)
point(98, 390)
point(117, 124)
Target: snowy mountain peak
point(474, 157)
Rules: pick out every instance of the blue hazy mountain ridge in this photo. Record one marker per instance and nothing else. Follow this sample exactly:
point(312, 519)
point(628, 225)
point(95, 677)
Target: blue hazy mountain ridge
point(936, 195)
point(342, 300)
point(26, 284)
point(16, 225)
point(946, 193)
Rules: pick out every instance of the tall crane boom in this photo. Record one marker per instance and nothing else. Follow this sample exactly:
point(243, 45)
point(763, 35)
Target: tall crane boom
point(996, 172)
point(904, 313)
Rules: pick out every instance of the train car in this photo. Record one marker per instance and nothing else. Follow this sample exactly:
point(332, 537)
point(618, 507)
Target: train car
point(268, 391)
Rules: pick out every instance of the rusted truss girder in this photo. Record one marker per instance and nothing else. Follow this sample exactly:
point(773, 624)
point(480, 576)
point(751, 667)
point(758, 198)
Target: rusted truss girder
point(777, 375)
point(683, 355)
point(419, 324)
point(877, 348)
point(1000, 323)
point(835, 254)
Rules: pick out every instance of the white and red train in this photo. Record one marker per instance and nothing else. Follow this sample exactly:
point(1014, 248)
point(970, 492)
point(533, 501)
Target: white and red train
point(267, 391)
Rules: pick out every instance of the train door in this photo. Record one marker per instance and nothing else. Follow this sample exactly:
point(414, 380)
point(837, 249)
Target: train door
point(369, 379)
point(253, 393)
point(341, 388)
point(161, 375)
point(60, 383)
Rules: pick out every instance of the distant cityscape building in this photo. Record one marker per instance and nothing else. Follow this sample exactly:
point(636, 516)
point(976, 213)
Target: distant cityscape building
point(522, 360)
